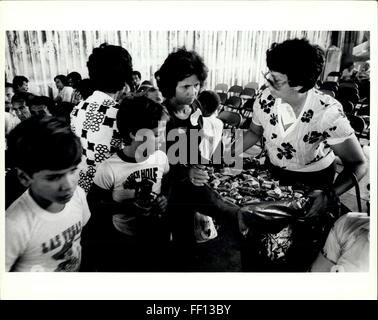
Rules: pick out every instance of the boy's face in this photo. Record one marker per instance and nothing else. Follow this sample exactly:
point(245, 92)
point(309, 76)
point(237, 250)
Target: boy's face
point(59, 84)
point(54, 186)
point(135, 79)
point(8, 95)
point(150, 140)
point(24, 87)
point(21, 110)
point(187, 90)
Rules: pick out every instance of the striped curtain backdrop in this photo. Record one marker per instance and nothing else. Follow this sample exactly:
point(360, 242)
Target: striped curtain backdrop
point(233, 57)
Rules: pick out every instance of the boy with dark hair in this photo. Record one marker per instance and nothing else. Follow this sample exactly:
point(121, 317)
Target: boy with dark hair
point(19, 108)
point(94, 120)
point(41, 106)
point(43, 226)
point(128, 188)
point(21, 87)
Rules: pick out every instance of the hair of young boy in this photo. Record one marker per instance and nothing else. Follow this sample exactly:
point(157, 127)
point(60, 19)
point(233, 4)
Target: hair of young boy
point(18, 81)
point(137, 113)
point(46, 143)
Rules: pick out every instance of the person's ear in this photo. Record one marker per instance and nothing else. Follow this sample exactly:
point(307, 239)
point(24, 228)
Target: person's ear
point(24, 178)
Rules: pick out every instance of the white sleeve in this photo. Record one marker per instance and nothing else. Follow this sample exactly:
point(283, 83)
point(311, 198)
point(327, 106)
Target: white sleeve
point(104, 176)
point(86, 211)
point(16, 238)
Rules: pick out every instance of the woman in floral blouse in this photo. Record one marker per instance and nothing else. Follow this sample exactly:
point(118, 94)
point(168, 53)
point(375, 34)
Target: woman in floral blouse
point(304, 129)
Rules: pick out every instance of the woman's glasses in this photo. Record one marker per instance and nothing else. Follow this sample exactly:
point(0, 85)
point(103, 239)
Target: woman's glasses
point(275, 84)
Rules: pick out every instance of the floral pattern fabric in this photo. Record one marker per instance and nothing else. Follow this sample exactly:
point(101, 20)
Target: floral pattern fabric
point(305, 145)
point(94, 122)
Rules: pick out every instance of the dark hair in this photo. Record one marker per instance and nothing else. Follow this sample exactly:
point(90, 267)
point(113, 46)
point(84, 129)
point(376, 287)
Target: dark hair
point(299, 60)
point(137, 73)
point(18, 98)
point(63, 111)
point(42, 101)
point(62, 78)
point(46, 143)
point(110, 68)
point(75, 76)
point(210, 101)
point(18, 81)
point(138, 113)
point(85, 88)
point(178, 66)
point(8, 85)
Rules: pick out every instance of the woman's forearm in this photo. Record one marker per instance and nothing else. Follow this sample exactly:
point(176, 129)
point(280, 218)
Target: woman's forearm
point(344, 180)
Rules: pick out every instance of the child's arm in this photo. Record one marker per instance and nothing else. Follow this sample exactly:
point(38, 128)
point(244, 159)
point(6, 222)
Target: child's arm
point(101, 202)
point(16, 239)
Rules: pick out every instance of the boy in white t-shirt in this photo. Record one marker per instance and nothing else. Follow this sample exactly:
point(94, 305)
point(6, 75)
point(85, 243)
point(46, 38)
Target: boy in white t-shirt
point(43, 226)
point(128, 191)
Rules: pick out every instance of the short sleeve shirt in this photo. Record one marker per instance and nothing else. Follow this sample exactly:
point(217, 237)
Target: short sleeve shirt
point(305, 145)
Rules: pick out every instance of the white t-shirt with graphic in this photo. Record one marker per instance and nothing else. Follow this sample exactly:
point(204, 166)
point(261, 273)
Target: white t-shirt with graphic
point(129, 180)
point(38, 240)
point(305, 144)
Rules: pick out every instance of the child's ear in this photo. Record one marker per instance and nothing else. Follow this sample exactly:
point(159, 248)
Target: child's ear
point(132, 136)
point(24, 178)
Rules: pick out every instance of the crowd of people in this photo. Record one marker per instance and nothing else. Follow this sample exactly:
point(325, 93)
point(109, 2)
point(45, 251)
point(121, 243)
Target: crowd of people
point(106, 184)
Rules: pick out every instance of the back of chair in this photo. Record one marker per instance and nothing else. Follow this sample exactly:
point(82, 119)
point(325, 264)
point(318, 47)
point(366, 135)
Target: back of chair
point(348, 84)
point(230, 118)
point(235, 90)
point(247, 93)
point(253, 85)
point(233, 102)
point(357, 123)
point(348, 95)
point(330, 85)
point(328, 92)
point(222, 96)
point(348, 107)
point(221, 87)
point(247, 108)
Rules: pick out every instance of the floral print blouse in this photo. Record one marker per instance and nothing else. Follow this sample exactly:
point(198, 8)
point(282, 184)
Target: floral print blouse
point(305, 145)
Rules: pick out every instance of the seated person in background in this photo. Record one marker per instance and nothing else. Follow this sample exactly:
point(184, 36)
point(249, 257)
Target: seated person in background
point(136, 81)
point(349, 73)
point(73, 79)
point(19, 107)
point(43, 226)
point(8, 96)
point(21, 87)
point(364, 73)
point(94, 119)
point(128, 188)
point(347, 246)
point(64, 91)
point(41, 106)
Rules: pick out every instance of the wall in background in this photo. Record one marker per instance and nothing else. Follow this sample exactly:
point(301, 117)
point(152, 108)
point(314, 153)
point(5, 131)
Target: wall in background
point(233, 57)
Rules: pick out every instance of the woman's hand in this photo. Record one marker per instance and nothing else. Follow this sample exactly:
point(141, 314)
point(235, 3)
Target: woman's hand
point(197, 176)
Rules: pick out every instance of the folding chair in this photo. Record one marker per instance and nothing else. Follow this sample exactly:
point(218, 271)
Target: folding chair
point(348, 107)
point(329, 85)
point(222, 96)
point(358, 125)
point(233, 102)
point(247, 108)
point(247, 93)
point(329, 92)
point(221, 87)
point(253, 85)
point(235, 90)
point(230, 119)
